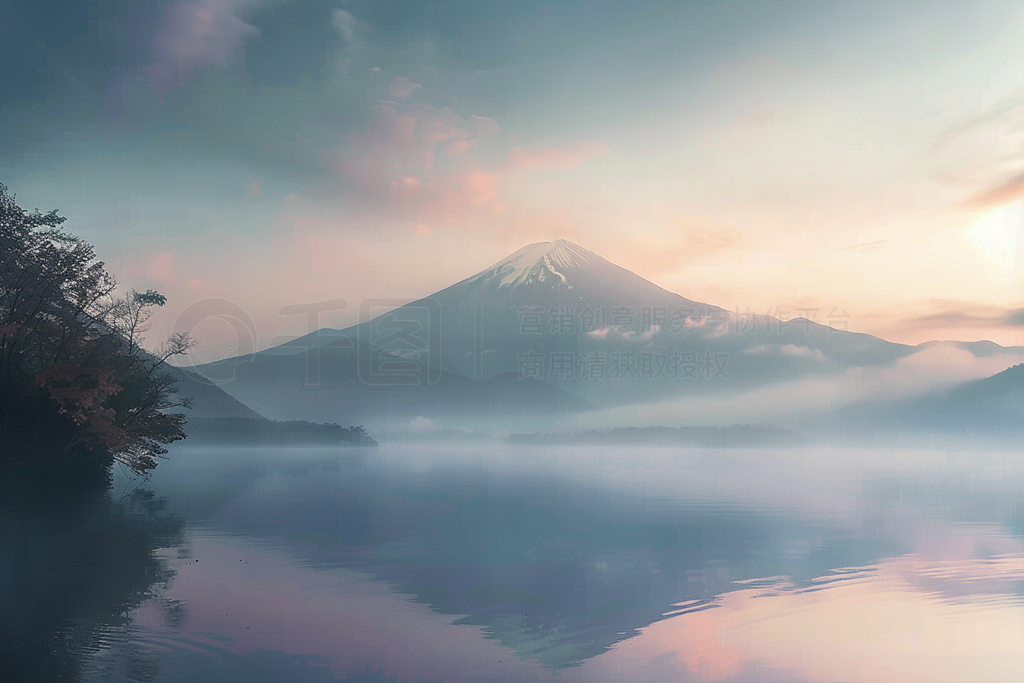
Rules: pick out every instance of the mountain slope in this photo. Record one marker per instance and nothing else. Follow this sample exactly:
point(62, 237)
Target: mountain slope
point(208, 400)
point(290, 387)
point(992, 405)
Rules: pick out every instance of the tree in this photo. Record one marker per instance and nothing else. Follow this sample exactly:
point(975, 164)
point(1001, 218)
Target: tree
point(74, 377)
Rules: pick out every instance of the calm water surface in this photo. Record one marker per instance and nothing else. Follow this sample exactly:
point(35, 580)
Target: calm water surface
point(493, 563)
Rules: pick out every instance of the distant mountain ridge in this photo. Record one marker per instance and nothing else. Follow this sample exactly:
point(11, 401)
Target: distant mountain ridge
point(208, 400)
point(989, 406)
point(216, 416)
point(260, 431)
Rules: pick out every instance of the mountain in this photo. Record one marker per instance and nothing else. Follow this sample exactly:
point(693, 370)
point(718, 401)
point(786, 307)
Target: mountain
point(989, 406)
point(561, 273)
point(551, 328)
point(208, 400)
point(329, 385)
point(978, 349)
point(994, 403)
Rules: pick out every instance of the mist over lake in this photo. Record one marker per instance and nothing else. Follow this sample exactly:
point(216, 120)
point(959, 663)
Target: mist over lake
point(499, 562)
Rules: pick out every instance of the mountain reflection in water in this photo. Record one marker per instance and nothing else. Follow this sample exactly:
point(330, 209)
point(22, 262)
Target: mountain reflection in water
point(554, 570)
point(501, 563)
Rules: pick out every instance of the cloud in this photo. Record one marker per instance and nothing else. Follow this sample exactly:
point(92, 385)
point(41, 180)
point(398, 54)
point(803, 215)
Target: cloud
point(344, 23)
point(789, 350)
point(570, 156)
point(408, 140)
point(402, 88)
point(254, 189)
point(348, 29)
point(418, 157)
point(163, 271)
point(925, 321)
point(195, 36)
point(956, 315)
point(163, 268)
point(997, 196)
point(702, 240)
point(483, 127)
point(422, 425)
point(420, 163)
point(689, 240)
point(935, 367)
point(625, 335)
point(867, 247)
point(985, 154)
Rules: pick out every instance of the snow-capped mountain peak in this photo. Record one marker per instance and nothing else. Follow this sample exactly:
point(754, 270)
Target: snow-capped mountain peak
point(561, 273)
point(540, 262)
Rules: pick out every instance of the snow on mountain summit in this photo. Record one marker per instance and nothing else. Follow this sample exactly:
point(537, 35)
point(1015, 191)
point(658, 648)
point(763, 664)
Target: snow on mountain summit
point(561, 273)
point(540, 262)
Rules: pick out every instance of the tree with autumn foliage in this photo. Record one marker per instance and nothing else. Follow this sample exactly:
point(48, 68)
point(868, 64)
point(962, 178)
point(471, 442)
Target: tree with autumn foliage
point(75, 381)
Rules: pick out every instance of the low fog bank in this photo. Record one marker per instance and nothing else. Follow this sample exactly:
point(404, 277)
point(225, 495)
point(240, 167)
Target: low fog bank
point(932, 369)
point(941, 391)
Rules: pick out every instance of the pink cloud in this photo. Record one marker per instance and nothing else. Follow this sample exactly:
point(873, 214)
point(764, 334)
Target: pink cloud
point(417, 160)
point(423, 165)
point(984, 154)
point(467, 191)
point(407, 140)
point(448, 195)
point(163, 268)
point(1010, 191)
point(194, 36)
point(459, 147)
point(691, 240)
point(568, 157)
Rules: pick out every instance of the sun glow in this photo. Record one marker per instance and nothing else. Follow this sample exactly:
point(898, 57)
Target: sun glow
point(995, 234)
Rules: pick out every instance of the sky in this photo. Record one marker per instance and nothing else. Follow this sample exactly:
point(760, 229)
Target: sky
point(856, 160)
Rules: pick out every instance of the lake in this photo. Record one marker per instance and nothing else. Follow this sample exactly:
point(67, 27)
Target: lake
point(485, 562)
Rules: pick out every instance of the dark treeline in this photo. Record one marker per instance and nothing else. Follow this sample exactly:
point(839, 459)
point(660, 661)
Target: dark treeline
point(261, 431)
point(75, 381)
